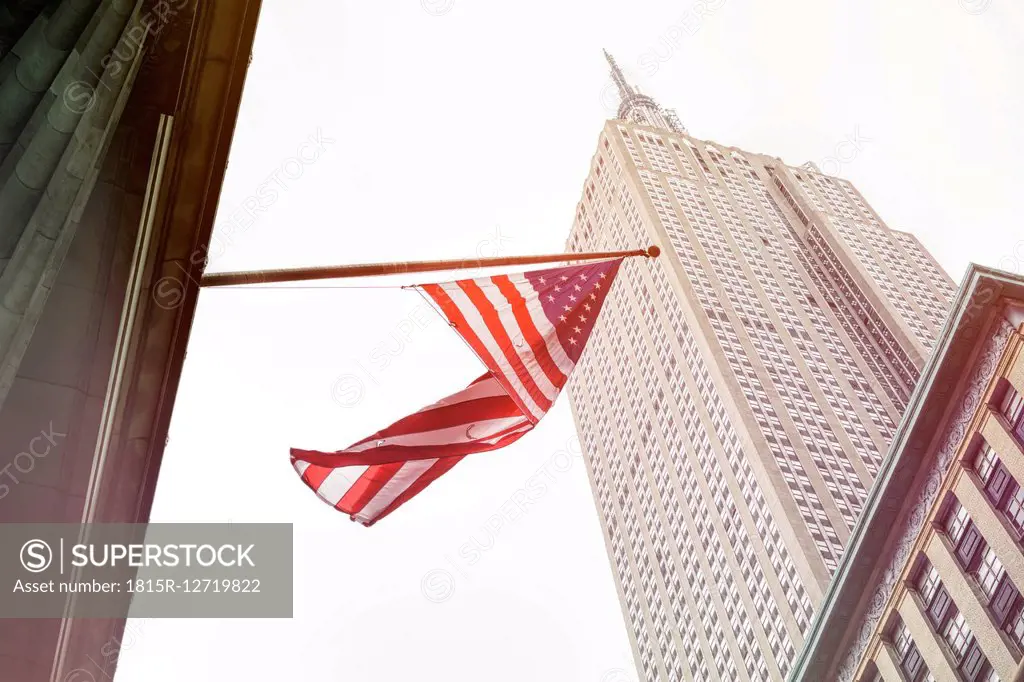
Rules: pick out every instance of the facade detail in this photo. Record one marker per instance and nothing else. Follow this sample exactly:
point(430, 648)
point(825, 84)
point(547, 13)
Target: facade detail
point(116, 118)
point(931, 586)
point(740, 392)
point(927, 497)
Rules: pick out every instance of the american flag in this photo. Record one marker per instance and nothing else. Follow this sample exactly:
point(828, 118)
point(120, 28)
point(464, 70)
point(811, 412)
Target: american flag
point(529, 331)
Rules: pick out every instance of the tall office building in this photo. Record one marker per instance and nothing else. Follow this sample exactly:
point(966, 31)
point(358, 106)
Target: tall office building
point(740, 391)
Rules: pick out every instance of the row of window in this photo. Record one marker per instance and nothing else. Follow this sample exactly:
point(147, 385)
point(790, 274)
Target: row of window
point(979, 561)
point(931, 289)
point(854, 313)
point(850, 370)
point(907, 654)
point(853, 297)
point(739, 293)
point(865, 236)
point(654, 633)
point(704, 521)
point(774, 269)
point(951, 625)
point(726, 333)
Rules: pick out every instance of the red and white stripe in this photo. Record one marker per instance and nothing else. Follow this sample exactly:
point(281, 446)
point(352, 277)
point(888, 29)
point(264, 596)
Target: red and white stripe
point(410, 454)
point(504, 322)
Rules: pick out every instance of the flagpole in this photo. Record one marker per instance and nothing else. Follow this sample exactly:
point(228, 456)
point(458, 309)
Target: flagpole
point(221, 279)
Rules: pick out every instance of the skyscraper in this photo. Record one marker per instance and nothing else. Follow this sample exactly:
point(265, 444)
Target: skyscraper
point(740, 391)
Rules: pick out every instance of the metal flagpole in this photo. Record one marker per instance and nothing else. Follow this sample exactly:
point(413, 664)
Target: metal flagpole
point(221, 279)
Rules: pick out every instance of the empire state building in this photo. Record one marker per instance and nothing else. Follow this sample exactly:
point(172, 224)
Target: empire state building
point(739, 392)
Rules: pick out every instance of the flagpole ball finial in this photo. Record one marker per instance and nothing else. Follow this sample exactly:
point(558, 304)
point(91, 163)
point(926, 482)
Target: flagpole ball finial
point(653, 251)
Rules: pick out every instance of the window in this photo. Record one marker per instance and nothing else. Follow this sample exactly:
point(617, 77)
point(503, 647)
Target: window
point(993, 474)
point(940, 608)
point(971, 662)
point(909, 657)
point(1014, 509)
point(956, 520)
point(999, 482)
point(927, 581)
point(1001, 488)
point(965, 537)
point(1012, 407)
point(938, 604)
point(1014, 625)
point(985, 461)
point(990, 572)
point(946, 619)
point(957, 635)
point(1003, 600)
point(974, 666)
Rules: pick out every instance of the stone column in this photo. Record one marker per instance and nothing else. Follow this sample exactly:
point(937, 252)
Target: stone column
point(24, 283)
point(22, 89)
point(888, 666)
point(32, 161)
point(62, 383)
point(87, 55)
point(15, 17)
point(195, 72)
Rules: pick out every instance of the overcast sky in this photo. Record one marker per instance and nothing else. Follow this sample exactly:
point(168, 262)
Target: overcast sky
point(461, 128)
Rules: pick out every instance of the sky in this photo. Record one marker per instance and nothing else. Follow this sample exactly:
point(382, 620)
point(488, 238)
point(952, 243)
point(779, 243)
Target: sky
point(463, 128)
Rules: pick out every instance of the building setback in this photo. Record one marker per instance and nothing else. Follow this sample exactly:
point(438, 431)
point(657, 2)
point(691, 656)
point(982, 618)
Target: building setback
point(740, 392)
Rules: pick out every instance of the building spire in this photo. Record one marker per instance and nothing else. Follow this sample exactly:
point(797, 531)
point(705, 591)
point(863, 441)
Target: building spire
point(625, 89)
point(639, 108)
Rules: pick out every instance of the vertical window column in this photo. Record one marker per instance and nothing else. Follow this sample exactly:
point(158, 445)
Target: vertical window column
point(1012, 410)
point(955, 611)
point(970, 493)
point(906, 654)
point(917, 627)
